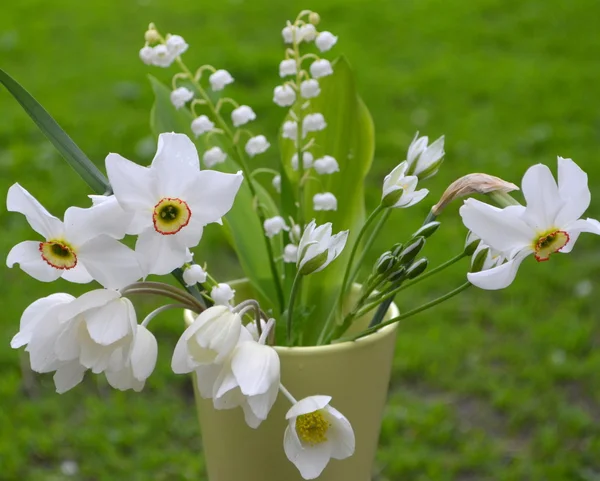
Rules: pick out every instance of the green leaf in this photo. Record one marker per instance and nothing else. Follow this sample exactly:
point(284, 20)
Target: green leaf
point(59, 138)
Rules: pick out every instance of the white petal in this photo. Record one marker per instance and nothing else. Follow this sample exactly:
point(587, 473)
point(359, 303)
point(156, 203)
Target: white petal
point(77, 274)
point(541, 193)
point(181, 363)
point(409, 199)
point(340, 434)
point(261, 404)
point(431, 155)
point(308, 405)
point(498, 277)
point(160, 254)
point(251, 419)
point(575, 228)
point(123, 379)
point(310, 460)
point(573, 190)
point(205, 379)
point(143, 354)
point(111, 263)
point(111, 322)
point(256, 368)
point(27, 255)
point(89, 300)
point(45, 224)
point(67, 344)
point(175, 162)
point(42, 356)
point(68, 376)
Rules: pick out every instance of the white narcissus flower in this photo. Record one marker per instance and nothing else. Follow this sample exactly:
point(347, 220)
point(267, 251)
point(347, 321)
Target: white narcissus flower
point(310, 88)
point(213, 156)
point(316, 432)
point(320, 68)
point(326, 165)
point(313, 123)
point(549, 223)
point(307, 160)
point(208, 340)
point(171, 201)
point(424, 161)
point(222, 294)
point(324, 201)
point(288, 33)
point(201, 125)
point(399, 188)
point(274, 226)
point(290, 253)
point(287, 67)
point(242, 115)
point(277, 183)
point(180, 96)
point(325, 40)
point(162, 57)
point(194, 275)
point(284, 95)
point(318, 247)
point(80, 249)
point(257, 145)
point(147, 55)
point(307, 33)
point(176, 45)
point(290, 130)
point(220, 79)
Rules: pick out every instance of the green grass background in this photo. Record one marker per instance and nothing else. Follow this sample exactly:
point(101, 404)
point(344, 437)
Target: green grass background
point(489, 386)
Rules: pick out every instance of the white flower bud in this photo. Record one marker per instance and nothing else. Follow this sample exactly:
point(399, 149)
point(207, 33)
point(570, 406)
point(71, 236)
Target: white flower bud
point(324, 201)
point(318, 247)
point(274, 226)
point(180, 96)
point(290, 130)
point(257, 145)
point(242, 115)
point(314, 18)
point(307, 160)
point(287, 67)
point(213, 156)
point(176, 45)
point(313, 123)
point(222, 294)
point(147, 55)
point(161, 56)
point(277, 183)
point(151, 36)
point(284, 95)
point(295, 233)
point(310, 88)
point(220, 79)
point(321, 68)
point(308, 33)
point(288, 34)
point(290, 253)
point(202, 124)
point(325, 41)
point(193, 275)
point(326, 165)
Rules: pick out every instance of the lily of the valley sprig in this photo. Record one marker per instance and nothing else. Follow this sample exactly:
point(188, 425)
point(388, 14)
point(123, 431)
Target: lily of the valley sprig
point(290, 228)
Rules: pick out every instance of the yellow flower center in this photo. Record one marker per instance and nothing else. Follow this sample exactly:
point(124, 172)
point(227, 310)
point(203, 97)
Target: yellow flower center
point(58, 254)
point(312, 427)
point(550, 243)
point(170, 216)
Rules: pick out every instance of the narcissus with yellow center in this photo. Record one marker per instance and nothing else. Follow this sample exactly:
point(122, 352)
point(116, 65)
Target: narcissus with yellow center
point(549, 244)
point(170, 216)
point(58, 254)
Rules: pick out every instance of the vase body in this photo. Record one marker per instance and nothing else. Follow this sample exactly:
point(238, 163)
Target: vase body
point(355, 374)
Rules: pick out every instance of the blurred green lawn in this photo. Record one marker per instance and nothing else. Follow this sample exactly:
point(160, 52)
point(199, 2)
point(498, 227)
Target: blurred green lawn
point(490, 386)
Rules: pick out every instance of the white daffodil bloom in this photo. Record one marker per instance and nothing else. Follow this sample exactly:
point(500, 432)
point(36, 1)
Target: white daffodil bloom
point(277, 183)
point(307, 160)
point(147, 55)
point(287, 67)
point(318, 247)
point(313, 123)
point(316, 433)
point(399, 188)
point(162, 56)
point(288, 33)
point(320, 68)
point(424, 161)
point(194, 275)
point(176, 45)
point(549, 223)
point(220, 79)
point(242, 115)
point(180, 96)
point(257, 145)
point(80, 249)
point(274, 226)
point(326, 165)
point(310, 88)
point(208, 340)
point(325, 41)
point(171, 201)
point(213, 156)
point(307, 33)
point(290, 130)
point(201, 125)
point(324, 201)
point(284, 95)
point(290, 253)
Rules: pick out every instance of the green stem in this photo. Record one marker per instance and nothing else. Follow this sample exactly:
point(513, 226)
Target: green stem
point(408, 314)
point(290, 313)
point(299, 134)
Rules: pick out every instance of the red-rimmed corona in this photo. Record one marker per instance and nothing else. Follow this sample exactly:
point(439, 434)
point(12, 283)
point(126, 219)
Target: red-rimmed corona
point(170, 216)
point(58, 254)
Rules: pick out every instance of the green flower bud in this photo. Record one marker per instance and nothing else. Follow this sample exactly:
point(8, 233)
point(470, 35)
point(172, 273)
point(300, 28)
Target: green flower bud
point(412, 250)
point(397, 249)
point(471, 244)
point(427, 230)
point(479, 260)
point(397, 274)
point(391, 198)
point(385, 262)
point(313, 264)
point(417, 268)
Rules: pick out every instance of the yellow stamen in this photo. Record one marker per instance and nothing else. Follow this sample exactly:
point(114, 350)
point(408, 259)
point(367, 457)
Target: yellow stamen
point(58, 254)
point(312, 427)
point(170, 216)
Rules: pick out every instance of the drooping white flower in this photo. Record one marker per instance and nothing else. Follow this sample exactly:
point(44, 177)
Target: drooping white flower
point(161, 56)
point(287, 67)
point(324, 201)
point(277, 183)
point(310, 88)
point(326, 165)
point(284, 95)
point(242, 115)
point(220, 79)
point(320, 68)
point(318, 247)
point(201, 125)
point(208, 340)
point(194, 275)
point(288, 33)
point(80, 249)
point(307, 33)
point(307, 160)
point(147, 55)
point(549, 223)
point(176, 45)
point(325, 40)
point(316, 432)
point(424, 161)
point(399, 188)
point(222, 294)
point(274, 225)
point(313, 123)
point(180, 96)
point(290, 253)
point(171, 201)
point(290, 130)
point(257, 145)
point(213, 156)
point(295, 233)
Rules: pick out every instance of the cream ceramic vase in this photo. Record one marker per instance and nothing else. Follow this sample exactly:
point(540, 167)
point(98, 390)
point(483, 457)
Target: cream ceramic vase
point(355, 374)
